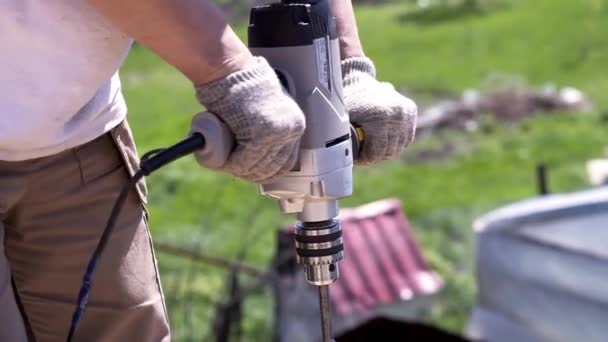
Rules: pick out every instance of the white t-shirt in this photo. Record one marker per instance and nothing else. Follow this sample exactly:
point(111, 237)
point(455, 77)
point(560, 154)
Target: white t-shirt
point(59, 80)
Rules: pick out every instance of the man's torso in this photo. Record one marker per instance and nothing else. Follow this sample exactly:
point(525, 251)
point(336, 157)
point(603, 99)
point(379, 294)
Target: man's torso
point(58, 71)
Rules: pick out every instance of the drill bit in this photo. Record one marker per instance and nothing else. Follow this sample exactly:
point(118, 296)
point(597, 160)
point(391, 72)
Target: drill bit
point(325, 313)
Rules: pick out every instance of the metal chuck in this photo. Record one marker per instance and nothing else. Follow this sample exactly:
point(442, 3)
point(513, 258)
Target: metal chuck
point(319, 248)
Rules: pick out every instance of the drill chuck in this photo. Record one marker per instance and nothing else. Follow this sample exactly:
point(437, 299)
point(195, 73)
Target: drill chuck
point(319, 248)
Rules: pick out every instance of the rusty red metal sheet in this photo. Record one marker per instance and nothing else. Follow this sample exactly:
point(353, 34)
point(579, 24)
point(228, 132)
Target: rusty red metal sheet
point(383, 262)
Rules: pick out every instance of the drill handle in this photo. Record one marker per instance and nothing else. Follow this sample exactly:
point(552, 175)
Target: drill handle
point(219, 140)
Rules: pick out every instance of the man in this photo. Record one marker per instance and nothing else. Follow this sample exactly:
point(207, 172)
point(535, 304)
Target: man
point(66, 150)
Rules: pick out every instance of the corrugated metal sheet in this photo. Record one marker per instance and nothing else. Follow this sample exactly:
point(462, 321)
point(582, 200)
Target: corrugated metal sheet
point(383, 262)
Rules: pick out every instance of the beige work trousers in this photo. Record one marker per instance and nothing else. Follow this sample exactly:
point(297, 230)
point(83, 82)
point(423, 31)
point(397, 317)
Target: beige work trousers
point(52, 213)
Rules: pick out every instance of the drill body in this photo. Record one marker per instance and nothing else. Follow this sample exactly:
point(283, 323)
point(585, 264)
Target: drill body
point(299, 41)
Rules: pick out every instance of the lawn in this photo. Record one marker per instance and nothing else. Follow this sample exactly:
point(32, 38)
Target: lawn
point(534, 42)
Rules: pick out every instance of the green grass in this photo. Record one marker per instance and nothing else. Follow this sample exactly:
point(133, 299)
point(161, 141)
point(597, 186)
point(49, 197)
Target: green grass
point(561, 41)
point(540, 41)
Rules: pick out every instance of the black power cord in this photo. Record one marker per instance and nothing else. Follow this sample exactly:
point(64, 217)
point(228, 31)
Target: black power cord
point(150, 162)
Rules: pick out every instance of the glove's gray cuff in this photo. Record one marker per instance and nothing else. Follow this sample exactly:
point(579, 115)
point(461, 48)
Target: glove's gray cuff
point(223, 89)
point(355, 67)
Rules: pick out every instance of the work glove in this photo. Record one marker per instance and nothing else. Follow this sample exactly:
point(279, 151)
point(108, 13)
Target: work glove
point(266, 122)
point(387, 118)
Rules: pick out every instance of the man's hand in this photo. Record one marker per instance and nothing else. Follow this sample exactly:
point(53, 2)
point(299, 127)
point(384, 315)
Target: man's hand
point(266, 122)
point(387, 118)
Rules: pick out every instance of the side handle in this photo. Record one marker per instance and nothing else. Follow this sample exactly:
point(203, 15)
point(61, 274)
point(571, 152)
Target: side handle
point(357, 137)
point(218, 137)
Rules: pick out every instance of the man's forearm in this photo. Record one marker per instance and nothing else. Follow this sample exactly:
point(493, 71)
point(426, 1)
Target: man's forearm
point(350, 45)
point(192, 35)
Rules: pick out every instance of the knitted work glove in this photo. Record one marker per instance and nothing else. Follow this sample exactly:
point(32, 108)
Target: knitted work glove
point(387, 117)
point(266, 122)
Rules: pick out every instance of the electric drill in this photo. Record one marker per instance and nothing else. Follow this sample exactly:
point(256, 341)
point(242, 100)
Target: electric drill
point(299, 40)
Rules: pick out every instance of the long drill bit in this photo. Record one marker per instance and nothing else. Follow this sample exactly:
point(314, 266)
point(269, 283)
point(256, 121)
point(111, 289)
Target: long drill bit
point(325, 313)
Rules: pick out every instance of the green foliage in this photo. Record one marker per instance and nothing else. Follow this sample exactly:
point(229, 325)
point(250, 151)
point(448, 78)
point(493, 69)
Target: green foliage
point(466, 174)
point(561, 41)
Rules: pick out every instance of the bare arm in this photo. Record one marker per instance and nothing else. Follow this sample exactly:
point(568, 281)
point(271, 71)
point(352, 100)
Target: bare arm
point(192, 35)
point(350, 45)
